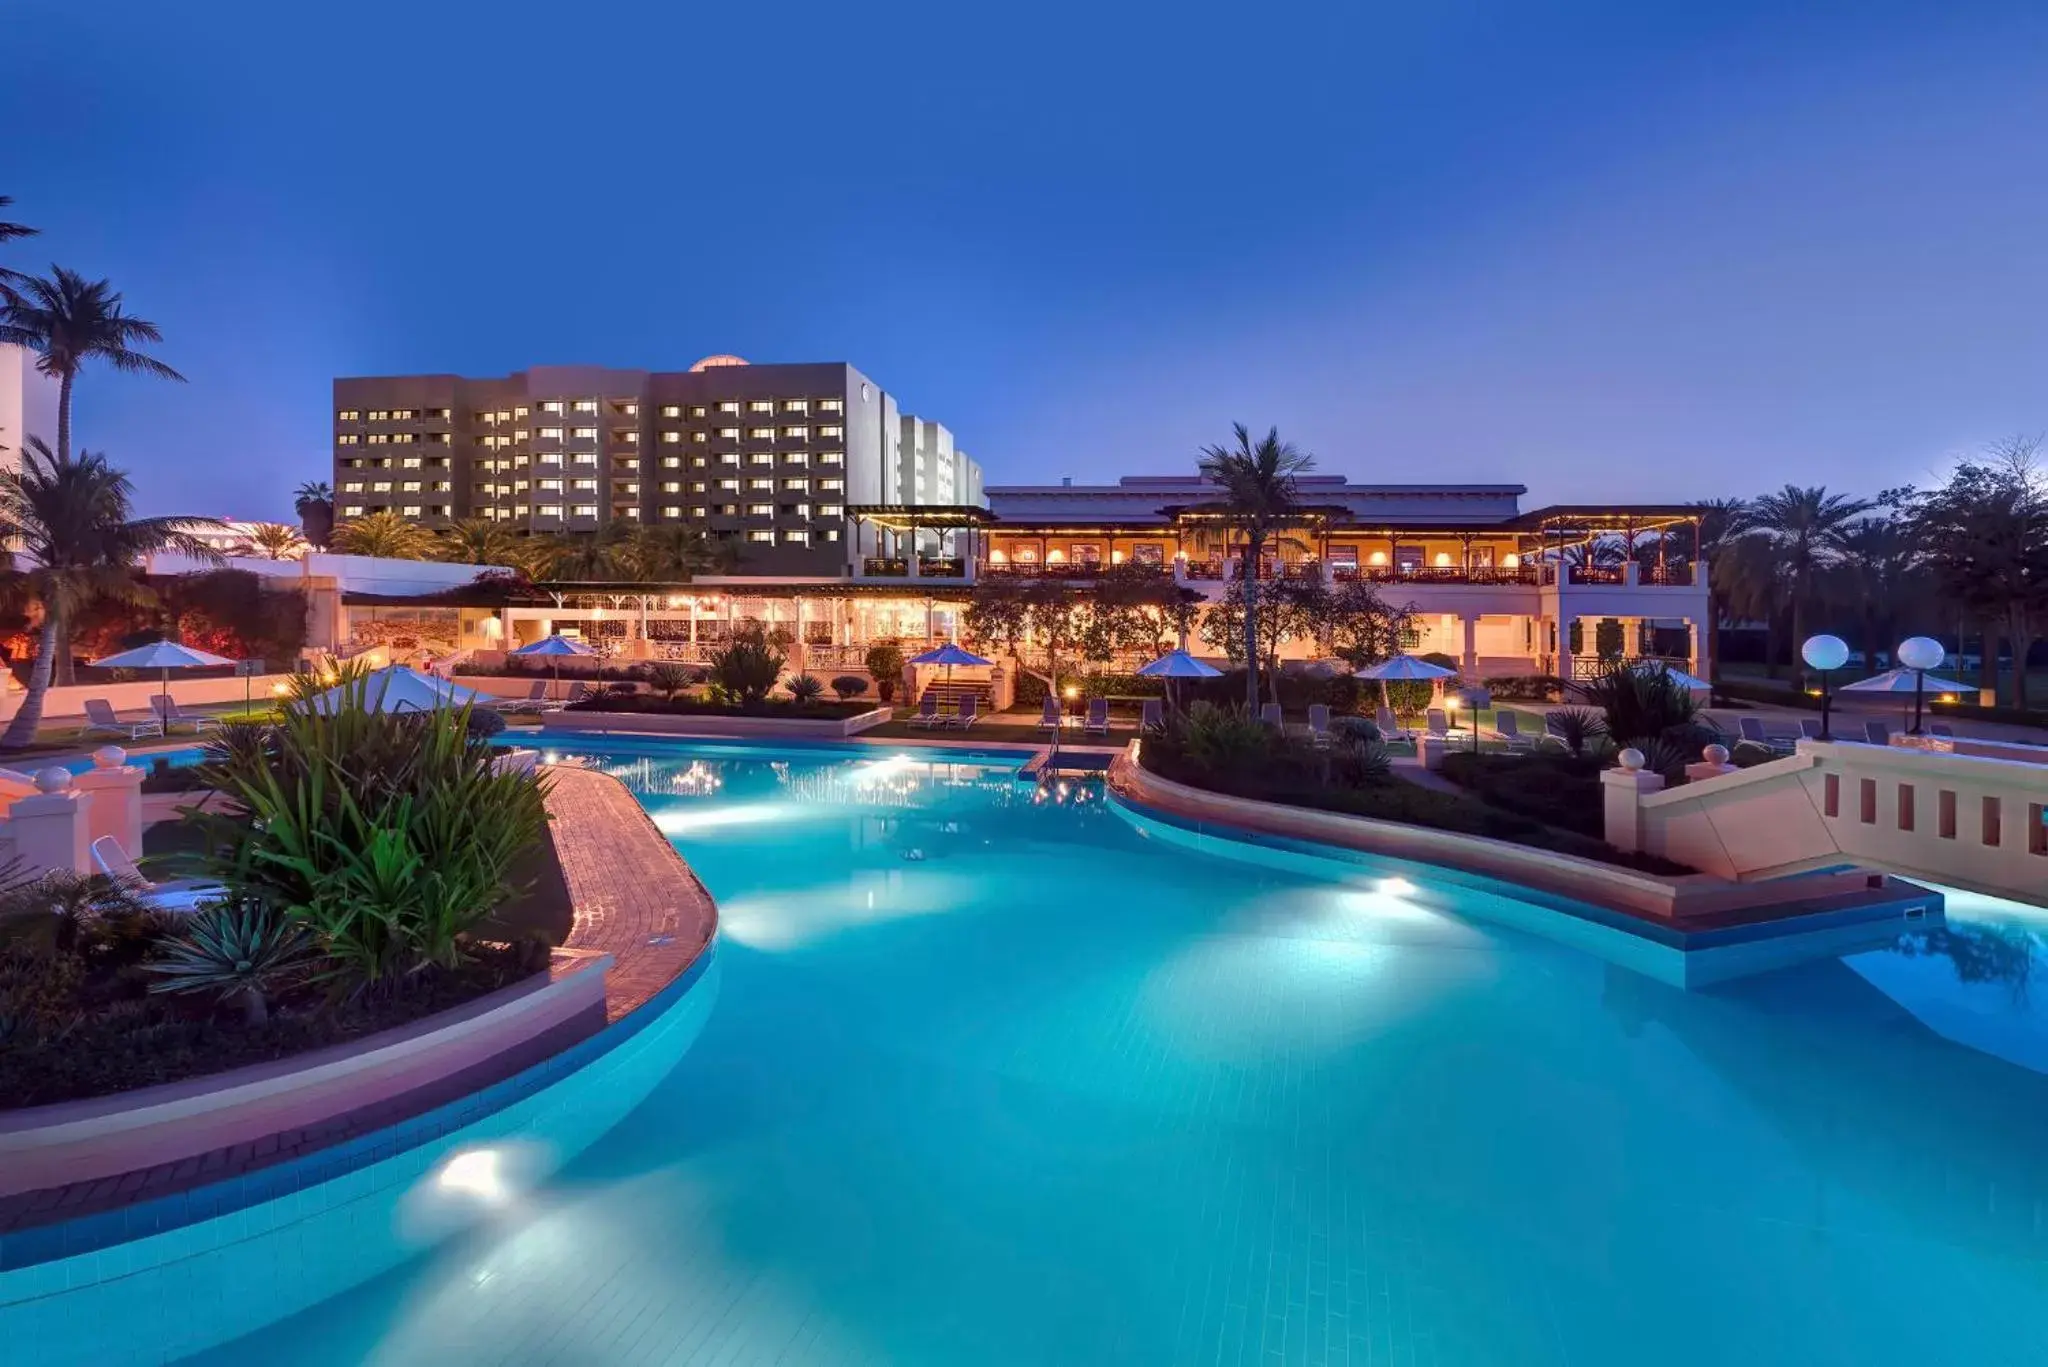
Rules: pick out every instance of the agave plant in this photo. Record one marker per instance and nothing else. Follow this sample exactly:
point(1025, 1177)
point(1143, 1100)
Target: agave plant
point(669, 679)
point(245, 952)
point(78, 912)
point(806, 689)
point(1577, 727)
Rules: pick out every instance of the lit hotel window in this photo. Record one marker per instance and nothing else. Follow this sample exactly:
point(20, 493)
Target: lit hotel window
point(763, 434)
point(763, 534)
point(761, 406)
point(586, 510)
point(352, 510)
point(671, 512)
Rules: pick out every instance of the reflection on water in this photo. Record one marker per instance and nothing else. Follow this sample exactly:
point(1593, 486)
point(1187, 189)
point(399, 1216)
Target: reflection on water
point(1984, 952)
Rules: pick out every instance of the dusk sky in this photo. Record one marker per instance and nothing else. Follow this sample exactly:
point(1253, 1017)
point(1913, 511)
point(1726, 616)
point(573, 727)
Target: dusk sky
point(1633, 250)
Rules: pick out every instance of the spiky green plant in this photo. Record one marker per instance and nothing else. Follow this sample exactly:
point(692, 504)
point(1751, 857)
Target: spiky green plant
point(241, 952)
point(806, 689)
point(386, 836)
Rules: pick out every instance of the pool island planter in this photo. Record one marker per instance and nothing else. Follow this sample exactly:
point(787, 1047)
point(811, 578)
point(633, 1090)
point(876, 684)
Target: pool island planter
point(591, 722)
point(72, 1142)
point(1698, 928)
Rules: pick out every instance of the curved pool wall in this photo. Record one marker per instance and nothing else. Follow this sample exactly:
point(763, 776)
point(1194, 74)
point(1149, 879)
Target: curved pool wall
point(185, 1273)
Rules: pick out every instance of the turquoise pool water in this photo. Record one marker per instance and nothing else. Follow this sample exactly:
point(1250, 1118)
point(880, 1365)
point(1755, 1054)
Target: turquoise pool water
point(994, 1080)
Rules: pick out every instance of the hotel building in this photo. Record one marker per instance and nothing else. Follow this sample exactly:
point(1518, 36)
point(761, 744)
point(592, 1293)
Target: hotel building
point(768, 457)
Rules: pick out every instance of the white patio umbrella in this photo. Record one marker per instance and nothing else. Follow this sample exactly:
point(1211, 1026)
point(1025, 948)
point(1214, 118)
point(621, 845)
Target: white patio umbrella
point(555, 646)
point(1400, 668)
point(398, 688)
point(164, 656)
point(1677, 676)
point(1912, 683)
point(1178, 664)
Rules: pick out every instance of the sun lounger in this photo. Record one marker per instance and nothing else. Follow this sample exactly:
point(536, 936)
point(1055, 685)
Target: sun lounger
point(927, 711)
point(99, 716)
point(1049, 715)
point(534, 700)
point(1319, 723)
point(970, 712)
point(1153, 715)
point(1877, 733)
point(1751, 729)
point(167, 712)
point(1271, 716)
point(1390, 725)
point(1508, 726)
point(1438, 723)
point(114, 862)
point(1098, 717)
point(1809, 728)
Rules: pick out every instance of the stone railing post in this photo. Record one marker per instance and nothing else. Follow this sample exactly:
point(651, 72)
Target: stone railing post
point(1623, 791)
point(1713, 762)
point(50, 830)
point(115, 787)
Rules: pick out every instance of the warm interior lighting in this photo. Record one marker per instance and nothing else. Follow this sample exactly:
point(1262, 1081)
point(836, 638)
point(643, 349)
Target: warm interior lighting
point(1055, 555)
point(1072, 692)
point(996, 557)
point(280, 689)
point(1510, 561)
point(1116, 557)
point(1443, 560)
point(1376, 558)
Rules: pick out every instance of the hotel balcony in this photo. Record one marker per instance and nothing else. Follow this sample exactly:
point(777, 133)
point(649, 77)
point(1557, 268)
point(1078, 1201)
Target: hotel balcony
point(915, 568)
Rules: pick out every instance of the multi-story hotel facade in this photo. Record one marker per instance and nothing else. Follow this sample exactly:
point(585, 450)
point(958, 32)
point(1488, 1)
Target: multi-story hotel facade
point(767, 457)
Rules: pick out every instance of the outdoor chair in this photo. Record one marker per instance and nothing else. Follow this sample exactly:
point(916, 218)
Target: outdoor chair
point(1877, 733)
point(167, 712)
point(1751, 729)
point(1508, 726)
point(515, 762)
point(1319, 724)
point(1390, 725)
point(578, 692)
point(114, 862)
point(1270, 715)
point(1049, 715)
point(927, 711)
point(970, 712)
point(1809, 728)
point(1438, 723)
point(535, 699)
point(99, 716)
point(1098, 717)
point(1152, 717)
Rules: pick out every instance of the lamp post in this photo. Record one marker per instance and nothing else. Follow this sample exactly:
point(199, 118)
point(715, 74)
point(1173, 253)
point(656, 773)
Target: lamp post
point(1920, 654)
point(1825, 654)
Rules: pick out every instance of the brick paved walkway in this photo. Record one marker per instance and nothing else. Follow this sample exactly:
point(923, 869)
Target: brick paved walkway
point(634, 898)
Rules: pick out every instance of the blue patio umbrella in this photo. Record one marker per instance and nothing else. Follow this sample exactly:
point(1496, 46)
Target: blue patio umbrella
point(1178, 664)
point(555, 647)
point(165, 656)
point(1404, 667)
point(949, 655)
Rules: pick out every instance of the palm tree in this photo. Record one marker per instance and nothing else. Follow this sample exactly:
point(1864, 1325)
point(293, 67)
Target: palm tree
point(277, 541)
point(1807, 527)
point(1749, 580)
point(1877, 580)
point(8, 233)
point(477, 541)
point(1985, 535)
point(314, 503)
point(68, 320)
point(384, 534)
point(70, 520)
point(671, 554)
point(1257, 482)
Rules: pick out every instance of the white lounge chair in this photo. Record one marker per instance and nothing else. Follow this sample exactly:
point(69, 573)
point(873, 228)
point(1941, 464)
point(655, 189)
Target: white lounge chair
point(168, 713)
point(1049, 718)
point(578, 692)
point(99, 716)
point(534, 700)
point(1809, 728)
point(1271, 716)
point(970, 712)
point(1508, 726)
point(1752, 730)
point(1319, 724)
point(1098, 717)
point(1876, 733)
point(1390, 725)
point(927, 711)
point(1438, 722)
point(1152, 717)
point(114, 862)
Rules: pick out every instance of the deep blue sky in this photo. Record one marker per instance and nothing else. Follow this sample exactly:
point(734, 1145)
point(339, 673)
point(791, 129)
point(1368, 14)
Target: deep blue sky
point(1630, 250)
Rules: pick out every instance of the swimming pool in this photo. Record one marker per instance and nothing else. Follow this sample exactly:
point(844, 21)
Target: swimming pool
point(996, 1079)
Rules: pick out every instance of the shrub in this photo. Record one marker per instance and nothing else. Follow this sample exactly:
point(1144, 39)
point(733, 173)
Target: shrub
point(748, 668)
point(849, 686)
point(1526, 688)
point(1640, 702)
point(386, 837)
point(1355, 728)
point(242, 953)
point(806, 689)
point(483, 723)
point(1355, 761)
point(885, 663)
point(1224, 740)
point(669, 679)
point(89, 915)
point(1578, 727)
point(1662, 755)
point(1561, 790)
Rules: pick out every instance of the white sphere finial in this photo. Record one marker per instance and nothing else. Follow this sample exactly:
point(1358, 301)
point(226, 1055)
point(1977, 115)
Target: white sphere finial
point(1921, 652)
point(1825, 652)
point(54, 780)
point(1631, 759)
point(1715, 754)
point(109, 757)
